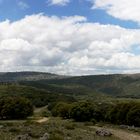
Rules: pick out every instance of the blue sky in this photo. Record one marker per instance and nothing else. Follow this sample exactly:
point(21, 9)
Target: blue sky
point(72, 37)
point(12, 10)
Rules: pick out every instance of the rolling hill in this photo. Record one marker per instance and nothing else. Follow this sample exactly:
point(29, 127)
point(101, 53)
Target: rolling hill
point(115, 85)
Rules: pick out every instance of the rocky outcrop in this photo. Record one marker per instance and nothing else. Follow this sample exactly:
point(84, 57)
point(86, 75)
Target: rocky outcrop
point(103, 132)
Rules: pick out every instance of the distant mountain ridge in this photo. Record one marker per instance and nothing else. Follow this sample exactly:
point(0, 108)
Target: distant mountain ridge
point(27, 76)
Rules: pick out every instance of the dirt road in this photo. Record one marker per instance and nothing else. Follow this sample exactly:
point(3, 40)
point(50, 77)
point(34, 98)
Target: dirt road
point(44, 119)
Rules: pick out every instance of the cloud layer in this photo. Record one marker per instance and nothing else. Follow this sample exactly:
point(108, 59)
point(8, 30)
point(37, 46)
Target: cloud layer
point(122, 9)
point(58, 2)
point(68, 45)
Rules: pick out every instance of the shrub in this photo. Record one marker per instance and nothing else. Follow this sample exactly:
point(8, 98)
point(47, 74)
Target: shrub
point(62, 110)
point(133, 116)
point(15, 108)
point(125, 113)
point(120, 113)
point(93, 121)
point(82, 111)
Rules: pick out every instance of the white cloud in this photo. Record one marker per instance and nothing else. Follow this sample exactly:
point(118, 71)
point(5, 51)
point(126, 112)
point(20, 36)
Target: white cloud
point(68, 45)
point(122, 9)
point(58, 2)
point(22, 5)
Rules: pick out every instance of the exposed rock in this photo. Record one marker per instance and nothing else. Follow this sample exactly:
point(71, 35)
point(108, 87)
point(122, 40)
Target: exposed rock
point(45, 137)
point(103, 132)
point(124, 126)
point(23, 137)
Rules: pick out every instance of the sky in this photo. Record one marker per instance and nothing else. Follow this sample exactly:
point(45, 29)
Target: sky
point(71, 37)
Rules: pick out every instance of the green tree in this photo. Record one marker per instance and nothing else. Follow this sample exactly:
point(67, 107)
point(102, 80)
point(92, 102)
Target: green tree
point(62, 109)
point(15, 108)
point(82, 111)
point(133, 116)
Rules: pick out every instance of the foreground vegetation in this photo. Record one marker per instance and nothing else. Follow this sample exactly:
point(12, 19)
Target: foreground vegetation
point(57, 128)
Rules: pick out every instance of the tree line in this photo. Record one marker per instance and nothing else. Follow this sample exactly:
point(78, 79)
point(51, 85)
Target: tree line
point(119, 113)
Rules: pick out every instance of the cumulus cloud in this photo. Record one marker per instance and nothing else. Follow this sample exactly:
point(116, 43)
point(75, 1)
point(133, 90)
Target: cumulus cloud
point(68, 45)
point(122, 9)
point(58, 2)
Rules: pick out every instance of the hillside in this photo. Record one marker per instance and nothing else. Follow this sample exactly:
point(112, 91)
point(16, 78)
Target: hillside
point(38, 97)
point(96, 86)
point(116, 85)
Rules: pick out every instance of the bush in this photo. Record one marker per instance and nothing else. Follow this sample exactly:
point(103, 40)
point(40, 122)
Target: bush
point(82, 111)
point(93, 121)
point(79, 111)
point(15, 108)
point(120, 113)
point(125, 113)
point(133, 116)
point(62, 110)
